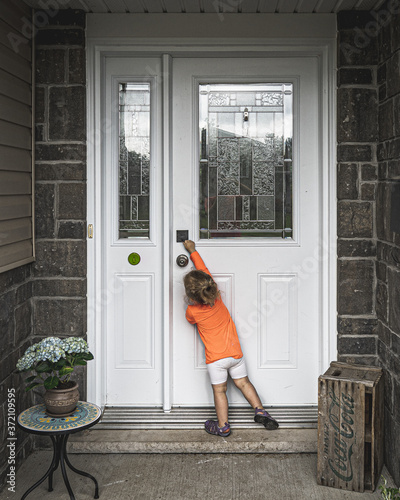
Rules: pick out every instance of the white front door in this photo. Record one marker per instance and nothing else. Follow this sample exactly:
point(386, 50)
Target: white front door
point(246, 186)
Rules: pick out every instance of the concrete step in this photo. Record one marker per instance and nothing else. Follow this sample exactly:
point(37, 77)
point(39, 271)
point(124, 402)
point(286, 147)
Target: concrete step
point(257, 440)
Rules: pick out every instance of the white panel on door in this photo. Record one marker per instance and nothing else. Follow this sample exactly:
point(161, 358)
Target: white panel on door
point(134, 314)
point(278, 320)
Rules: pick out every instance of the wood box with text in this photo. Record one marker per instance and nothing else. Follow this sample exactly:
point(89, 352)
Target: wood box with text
point(350, 427)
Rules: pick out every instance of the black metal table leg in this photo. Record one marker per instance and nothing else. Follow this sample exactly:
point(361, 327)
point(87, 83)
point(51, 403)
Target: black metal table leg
point(49, 473)
point(82, 473)
point(62, 465)
point(56, 459)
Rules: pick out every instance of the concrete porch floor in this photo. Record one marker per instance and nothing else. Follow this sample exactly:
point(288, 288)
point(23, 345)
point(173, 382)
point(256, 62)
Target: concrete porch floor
point(184, 477)
point(186, 465)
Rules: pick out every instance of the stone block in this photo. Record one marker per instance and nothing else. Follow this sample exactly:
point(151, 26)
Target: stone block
point(393, 172)
point(357, 326)
point(369, 172)
point(392, 446)
point(77, 66)
point(355, 152)
point(356, 248)
point(59, 316)
point(382, 170)
point(394, 299)
point(389, 149)
point(382, 92)
point(74, 230)
point(71, 200)
point(393, 75)
point(357, 115)
point(395, 25)
point(347, 181)
point(357, 345)
point(368, 191)
point(381, 75)
point(7, 324)
point(23, 293)
point(60, 152)
point(355, 76)
point(382, 301)
point(386, 124)
point(396, 343)
point(60, 171)
point(384, 41)
point(60, 36)
point(355, 219)
point(396, 119)
point(40, 104)
point(384, 334)
point(23, 322)
point(44, 209)
point(67, 113)
point(355, 48)
point(50, 66)
point(381, 271)
point(60, 287)
point(14, 277)
point(60, 258)
point(40, 132)
point(383, 204)
point(68, 17)
point(355, 287)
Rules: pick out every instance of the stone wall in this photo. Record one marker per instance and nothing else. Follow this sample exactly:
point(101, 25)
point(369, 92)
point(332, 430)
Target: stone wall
point(15, 333)
point(369, 172)
point(59, 273)
point(357, 134)
point(388, 241)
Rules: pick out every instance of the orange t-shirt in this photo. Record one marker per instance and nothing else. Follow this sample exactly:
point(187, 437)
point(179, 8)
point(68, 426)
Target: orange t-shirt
point(214, 324)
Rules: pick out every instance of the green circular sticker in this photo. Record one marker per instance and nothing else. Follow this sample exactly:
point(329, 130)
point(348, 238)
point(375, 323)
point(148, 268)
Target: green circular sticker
point(134, 259)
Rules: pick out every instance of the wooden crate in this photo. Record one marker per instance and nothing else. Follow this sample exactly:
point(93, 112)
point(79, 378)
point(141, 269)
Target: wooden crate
point(350, 427)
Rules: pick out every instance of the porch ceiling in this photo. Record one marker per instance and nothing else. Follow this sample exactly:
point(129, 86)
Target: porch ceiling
point(211, 6)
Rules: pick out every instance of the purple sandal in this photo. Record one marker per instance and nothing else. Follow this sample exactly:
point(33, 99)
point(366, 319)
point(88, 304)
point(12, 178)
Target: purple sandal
point(261, 416)
point(211, 426)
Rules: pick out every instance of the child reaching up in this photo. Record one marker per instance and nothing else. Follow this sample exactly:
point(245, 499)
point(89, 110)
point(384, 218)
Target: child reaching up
point(223, 353)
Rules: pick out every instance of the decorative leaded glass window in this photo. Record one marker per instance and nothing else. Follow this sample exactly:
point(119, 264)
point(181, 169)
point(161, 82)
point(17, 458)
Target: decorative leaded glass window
point(246, 160)
point(134, 160)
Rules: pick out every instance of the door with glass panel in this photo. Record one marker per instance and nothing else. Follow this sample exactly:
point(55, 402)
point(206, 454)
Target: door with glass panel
point(246, 186)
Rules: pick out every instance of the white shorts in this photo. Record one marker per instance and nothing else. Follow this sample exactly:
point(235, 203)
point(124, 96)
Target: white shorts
point(219, 370)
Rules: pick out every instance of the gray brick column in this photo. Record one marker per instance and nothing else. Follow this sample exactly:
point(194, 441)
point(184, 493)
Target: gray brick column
point(59, 284)
point(357, 133)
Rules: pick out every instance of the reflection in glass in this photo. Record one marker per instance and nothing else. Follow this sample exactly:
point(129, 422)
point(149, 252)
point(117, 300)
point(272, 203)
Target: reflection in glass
point(134, 160)
point(245, 160)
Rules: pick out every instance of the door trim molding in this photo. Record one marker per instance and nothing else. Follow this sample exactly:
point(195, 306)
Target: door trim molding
point(98, 49)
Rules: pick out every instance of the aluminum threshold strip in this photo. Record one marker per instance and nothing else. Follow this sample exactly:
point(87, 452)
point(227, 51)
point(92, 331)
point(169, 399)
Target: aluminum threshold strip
point(193, 418)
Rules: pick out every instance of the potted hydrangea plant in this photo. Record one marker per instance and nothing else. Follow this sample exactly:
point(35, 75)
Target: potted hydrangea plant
point(52, 362)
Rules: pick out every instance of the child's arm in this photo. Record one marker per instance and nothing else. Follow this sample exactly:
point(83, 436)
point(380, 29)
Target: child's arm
point(195, 256)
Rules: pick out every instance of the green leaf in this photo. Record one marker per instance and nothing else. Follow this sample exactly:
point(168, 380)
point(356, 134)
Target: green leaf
point(60, 363)
point(31, 386)
point(65, 370)
point(43, 367)
point(80, 362)
point(30, 379)
point(88, 356)
point(51, 382)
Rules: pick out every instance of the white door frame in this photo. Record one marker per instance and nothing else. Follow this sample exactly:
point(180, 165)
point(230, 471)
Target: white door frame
point(100, 46)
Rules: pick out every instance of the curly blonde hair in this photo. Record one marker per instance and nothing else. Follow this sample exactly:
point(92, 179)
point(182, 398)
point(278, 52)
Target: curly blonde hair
point(200, 288)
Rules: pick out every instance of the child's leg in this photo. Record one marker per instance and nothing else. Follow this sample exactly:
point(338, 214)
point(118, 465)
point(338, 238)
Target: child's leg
point(221, 403)
point(249, 392)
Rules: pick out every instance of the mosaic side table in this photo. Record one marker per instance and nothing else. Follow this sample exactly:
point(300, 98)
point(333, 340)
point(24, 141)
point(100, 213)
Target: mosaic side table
point(35, 421)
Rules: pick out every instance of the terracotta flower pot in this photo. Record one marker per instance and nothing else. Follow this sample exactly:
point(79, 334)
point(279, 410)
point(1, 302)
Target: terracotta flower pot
point(61, 401)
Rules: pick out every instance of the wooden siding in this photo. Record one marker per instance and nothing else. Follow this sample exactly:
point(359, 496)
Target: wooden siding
point(16, 173)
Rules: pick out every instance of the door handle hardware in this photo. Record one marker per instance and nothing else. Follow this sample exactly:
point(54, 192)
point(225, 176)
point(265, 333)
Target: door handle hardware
point(182, 260)
point(182, 236)
point(90, 231)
